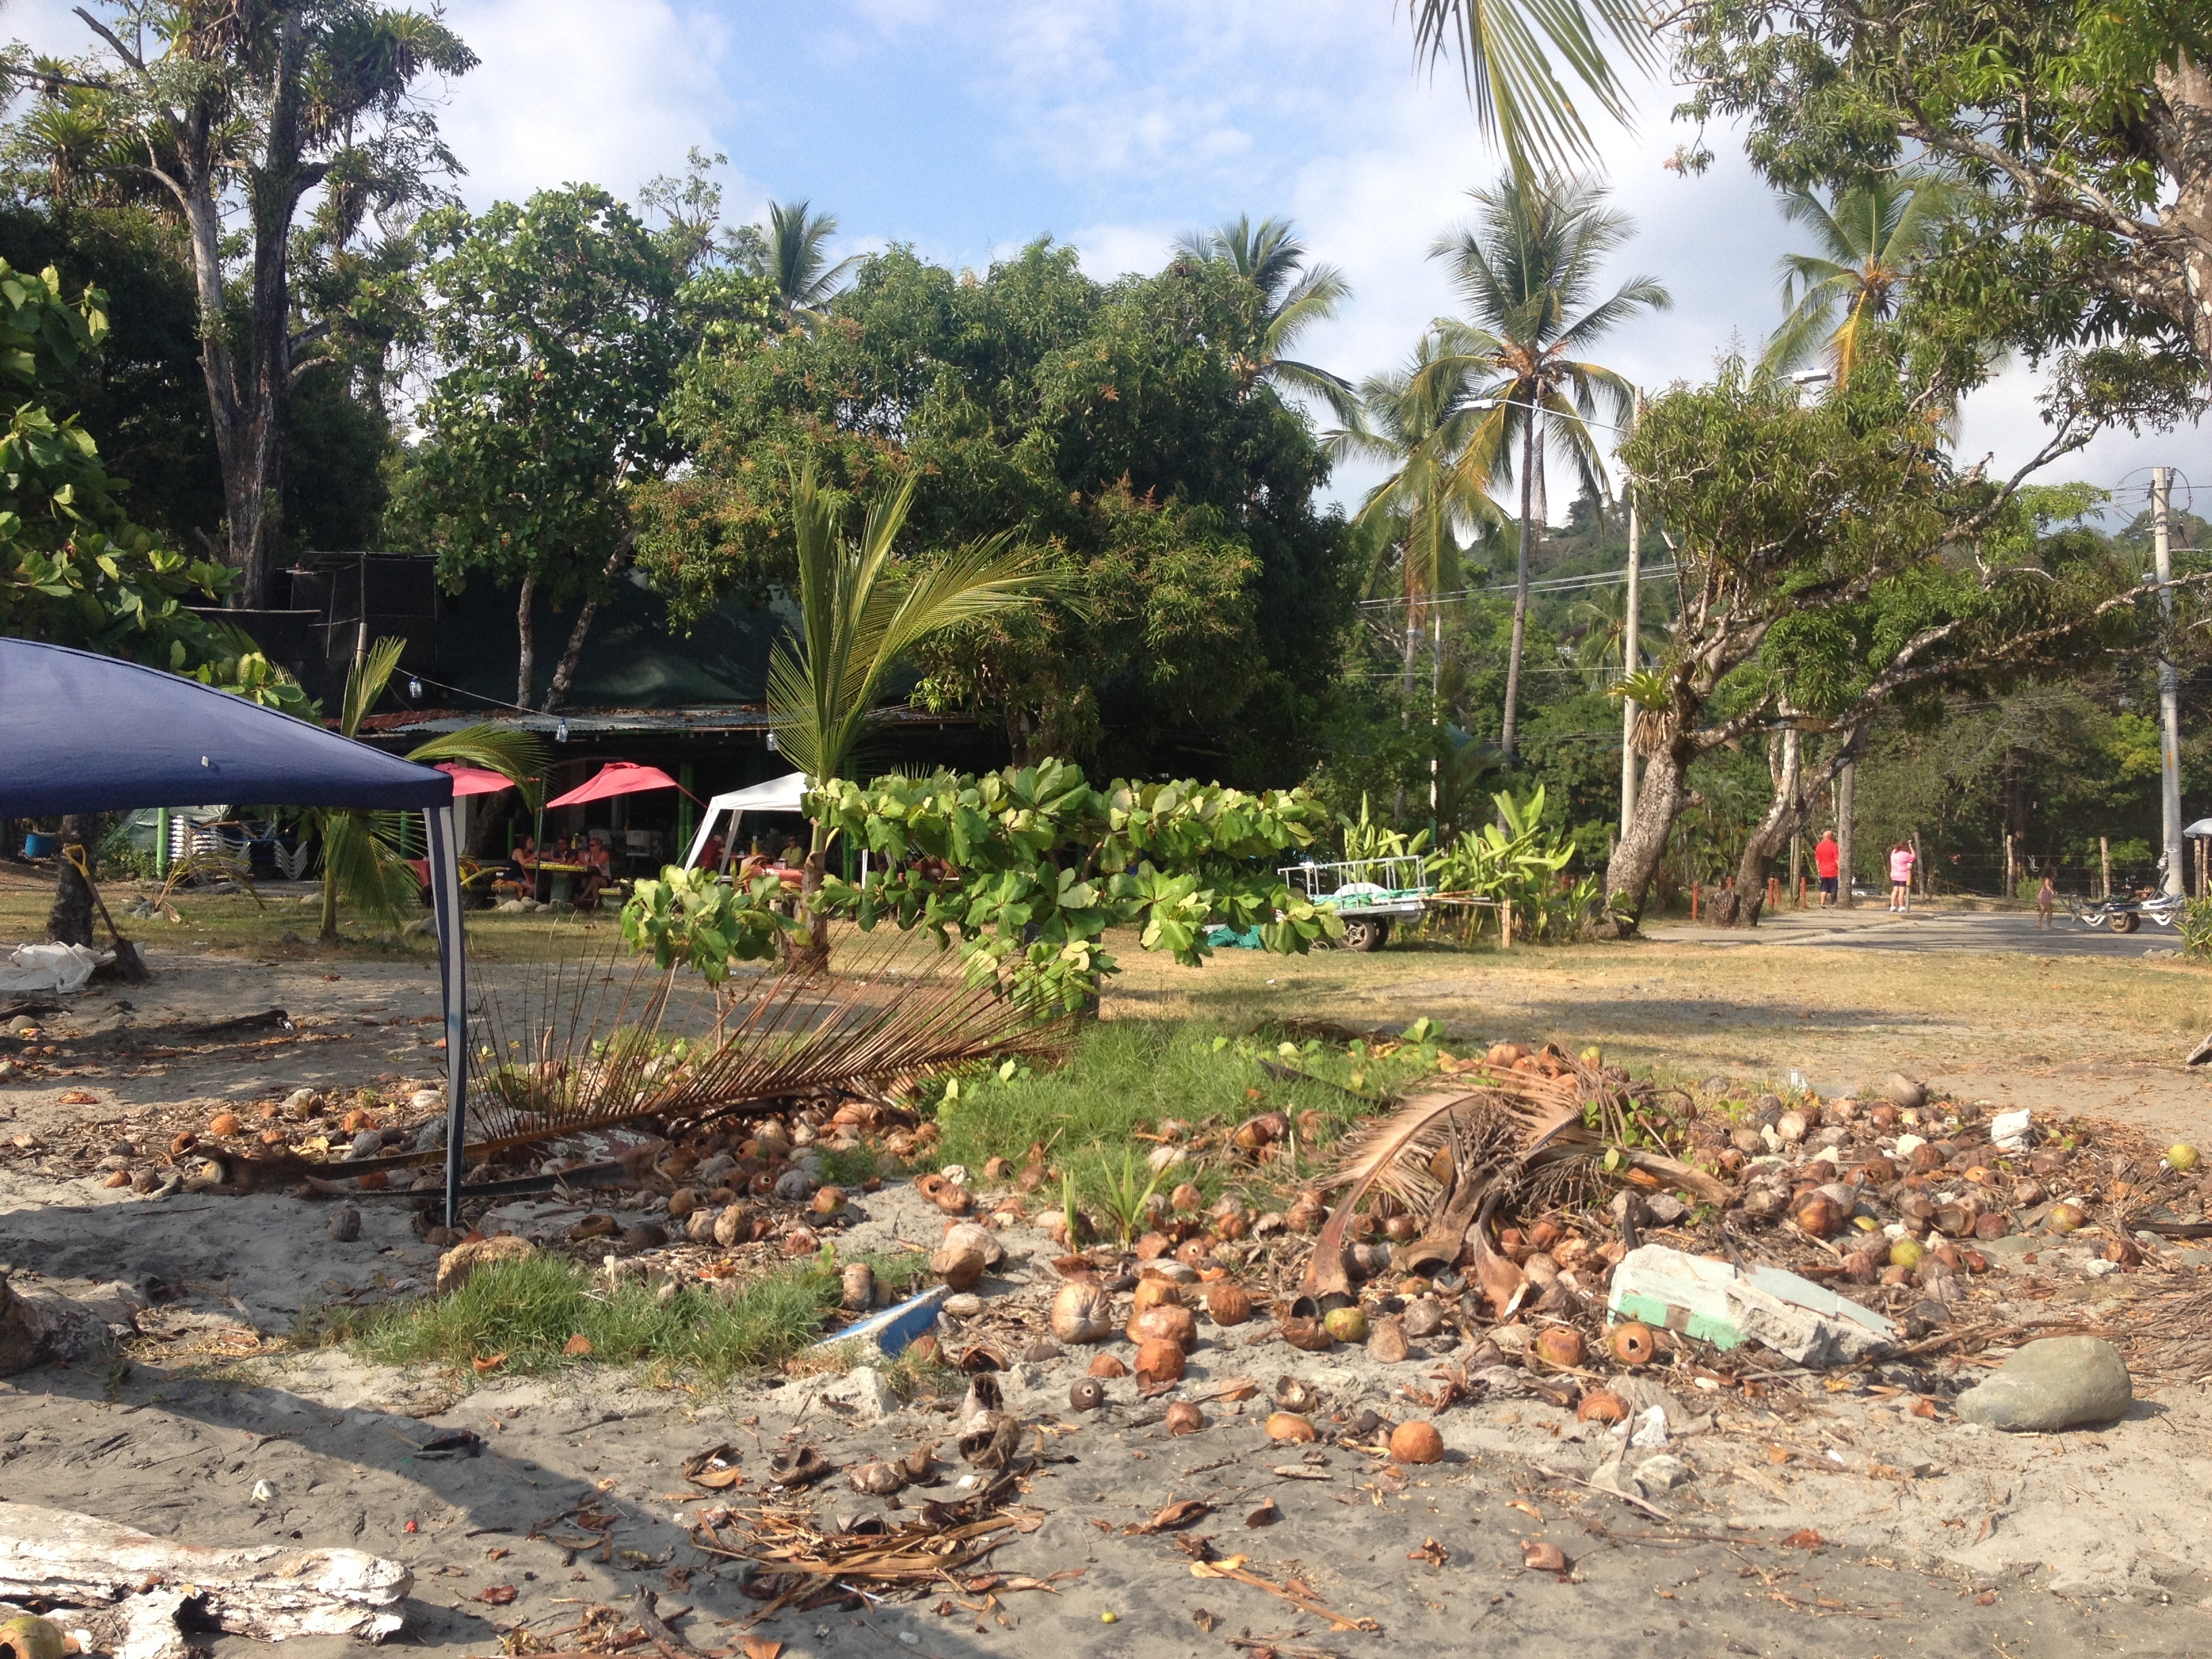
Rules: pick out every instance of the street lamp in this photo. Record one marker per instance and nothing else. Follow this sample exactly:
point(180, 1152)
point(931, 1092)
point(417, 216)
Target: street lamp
point(1515, 403)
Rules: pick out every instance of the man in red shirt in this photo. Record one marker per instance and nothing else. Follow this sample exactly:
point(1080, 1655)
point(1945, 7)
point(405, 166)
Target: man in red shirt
point(1827, 859)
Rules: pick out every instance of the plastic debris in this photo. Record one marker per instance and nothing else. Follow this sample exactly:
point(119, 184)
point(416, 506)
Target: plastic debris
point(1711, 1300)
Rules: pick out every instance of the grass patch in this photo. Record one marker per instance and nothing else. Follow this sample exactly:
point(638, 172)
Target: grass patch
point(530, 1311)
point(1127, 1075)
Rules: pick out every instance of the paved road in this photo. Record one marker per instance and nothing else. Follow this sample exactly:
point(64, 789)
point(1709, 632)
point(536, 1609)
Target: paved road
point(1874, 929)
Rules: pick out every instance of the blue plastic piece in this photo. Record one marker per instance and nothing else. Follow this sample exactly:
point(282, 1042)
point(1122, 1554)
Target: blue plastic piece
point(893, 1328)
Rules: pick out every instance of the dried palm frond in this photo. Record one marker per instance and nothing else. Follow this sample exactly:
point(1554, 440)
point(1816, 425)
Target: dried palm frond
point(1493, 1130)
point(592, 1044)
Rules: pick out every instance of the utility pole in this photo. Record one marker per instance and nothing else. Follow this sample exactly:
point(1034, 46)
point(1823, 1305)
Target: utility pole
point(1843, 832)
point(1628, 663)
point(2169, 678)
point(1435, 717)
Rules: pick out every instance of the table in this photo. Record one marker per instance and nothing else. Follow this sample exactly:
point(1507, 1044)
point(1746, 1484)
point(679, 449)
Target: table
point(563, 889)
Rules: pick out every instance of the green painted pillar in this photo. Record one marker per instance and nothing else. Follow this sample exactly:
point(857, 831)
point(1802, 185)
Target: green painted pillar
point(685, 825)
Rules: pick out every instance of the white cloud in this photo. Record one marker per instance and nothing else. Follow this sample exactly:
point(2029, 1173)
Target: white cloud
point(564, 94)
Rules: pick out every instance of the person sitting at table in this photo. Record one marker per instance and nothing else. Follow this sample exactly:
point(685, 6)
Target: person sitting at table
point(598, 874)
point(716, 850)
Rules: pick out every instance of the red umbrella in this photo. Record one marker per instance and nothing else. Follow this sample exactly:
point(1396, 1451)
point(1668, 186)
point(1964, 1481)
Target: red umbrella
point(474, 779)
point(617, 778)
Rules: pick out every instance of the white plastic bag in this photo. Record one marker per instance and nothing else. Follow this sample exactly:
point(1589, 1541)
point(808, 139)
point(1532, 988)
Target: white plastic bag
point(62, 969)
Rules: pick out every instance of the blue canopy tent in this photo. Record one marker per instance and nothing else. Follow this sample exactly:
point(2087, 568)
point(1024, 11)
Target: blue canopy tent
point(82, 732)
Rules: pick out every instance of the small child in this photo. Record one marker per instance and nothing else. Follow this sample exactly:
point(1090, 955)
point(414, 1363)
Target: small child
point(2046, 900)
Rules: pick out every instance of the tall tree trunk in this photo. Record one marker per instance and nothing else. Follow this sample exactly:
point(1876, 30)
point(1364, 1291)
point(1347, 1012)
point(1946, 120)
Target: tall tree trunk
point(1784, 812)
point(69, 922)
point(564, 672)
point(1643, 844)
point(249, 420)
point(1520, 589)
point(1846, 776)
point(525, 639)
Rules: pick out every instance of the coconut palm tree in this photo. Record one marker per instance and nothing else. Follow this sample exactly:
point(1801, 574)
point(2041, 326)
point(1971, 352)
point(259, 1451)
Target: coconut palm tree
point(1527, 273)
point(861, 610)
point(365, 854)
point(793, 255)
point(1506, 49)
point(1602, 615)
point(1427, 506)
point(1269, 256)
point(1872, 238)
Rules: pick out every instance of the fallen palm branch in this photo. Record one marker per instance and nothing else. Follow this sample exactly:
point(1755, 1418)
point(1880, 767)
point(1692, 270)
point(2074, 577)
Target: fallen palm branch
point(1529, 1130)
point(799, 1562)
point(597, 1044)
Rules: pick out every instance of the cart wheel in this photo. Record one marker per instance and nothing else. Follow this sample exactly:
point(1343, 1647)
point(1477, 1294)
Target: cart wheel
point(1366, 933)
point(2134, 920)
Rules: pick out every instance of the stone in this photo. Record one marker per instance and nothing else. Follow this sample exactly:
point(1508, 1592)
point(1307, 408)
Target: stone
point(455, 1266)
point(431, 1135)
point(2054, 1383)
point(1660, 1474)
point(1642, 1396)
point(345, 1223)
point(420, 927)
point(862, 1394)
point(1909, 1093)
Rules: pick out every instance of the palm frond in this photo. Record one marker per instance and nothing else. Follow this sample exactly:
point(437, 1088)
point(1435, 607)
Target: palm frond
point(510, 752)
point(366, 681)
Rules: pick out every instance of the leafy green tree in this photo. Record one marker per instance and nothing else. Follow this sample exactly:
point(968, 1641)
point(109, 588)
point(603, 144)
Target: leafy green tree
point(1871, 238)
point(1528, 274)
point(1115, 426)
point(2080, 129)
point(1270, 257)
point(559, 325)
point(230, 117)
point(1833, 563)
point(365, 854)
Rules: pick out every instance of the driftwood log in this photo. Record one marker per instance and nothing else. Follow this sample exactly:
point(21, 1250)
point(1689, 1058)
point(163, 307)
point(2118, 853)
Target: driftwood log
point(258, 1590)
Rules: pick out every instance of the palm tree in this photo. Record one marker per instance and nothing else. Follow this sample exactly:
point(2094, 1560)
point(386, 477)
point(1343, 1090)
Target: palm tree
point(365, 854)
point(861, 610)
point(1603, 618)
point(794, 257)
point(1427, 505)
point(1527, 273)
point(1273, 260)
point(1871, 239)
point(1516, 95)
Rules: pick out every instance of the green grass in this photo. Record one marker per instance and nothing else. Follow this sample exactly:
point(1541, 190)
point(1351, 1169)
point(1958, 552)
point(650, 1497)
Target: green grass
point(1127, 1075)
point(528, 1310)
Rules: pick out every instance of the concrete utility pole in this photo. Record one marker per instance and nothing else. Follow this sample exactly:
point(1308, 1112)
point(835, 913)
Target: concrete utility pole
point(1628, 663)
point(1843, 833)
point(2169, 678)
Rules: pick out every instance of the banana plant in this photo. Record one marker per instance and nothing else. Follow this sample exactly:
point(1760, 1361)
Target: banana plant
point(1513, 859)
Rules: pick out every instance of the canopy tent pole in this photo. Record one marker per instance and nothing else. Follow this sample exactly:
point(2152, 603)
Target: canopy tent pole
point(452, 982)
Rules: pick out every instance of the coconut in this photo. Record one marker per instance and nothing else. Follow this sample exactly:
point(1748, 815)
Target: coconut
point(1345, 1324)
point(1186, 1199)
point(1904, 1253)
point(1288, 1427)
point(1387, 1344)
point(1308, 1214)
point(1166, 1322)
point(1086, 1394)
point(1108, 1364)
point(223, 1123)
point(1601, 1406)
point(1631, 1343)
point(1183, 1418)
point(1082, 1313)
point(1156, 1293)
point(1227, 1304)
point(1416, 1443)
point(734, 1225)
point(2064, 1218)
point(1560, 1346)
point(1159, 1359)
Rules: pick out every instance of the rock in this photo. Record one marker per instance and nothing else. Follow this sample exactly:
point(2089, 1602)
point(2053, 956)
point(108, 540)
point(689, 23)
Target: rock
point(367, 1144)
point(345, 1224)
point(2052, 1383)
point(1662, 1474)
point(511, 906)
point(39, 1328)
point(431, 1135)
point(862, 1394)
point(463, 1260)
point(1900, 1090)
point(1387, 1343)
point(1641, 1395)
point(420, 927)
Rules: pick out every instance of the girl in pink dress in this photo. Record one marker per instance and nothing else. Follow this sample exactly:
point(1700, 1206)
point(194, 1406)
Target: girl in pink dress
point(1900, 877)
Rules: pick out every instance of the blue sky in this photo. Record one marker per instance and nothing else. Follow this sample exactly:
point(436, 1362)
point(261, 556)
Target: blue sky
point(967, 129)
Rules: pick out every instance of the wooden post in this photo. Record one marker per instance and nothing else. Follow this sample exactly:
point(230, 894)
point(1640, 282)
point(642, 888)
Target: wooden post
point(1505, 927)
point(1796, 865)
point(1694, 901)
point(2104, 867)
point(1774, 892)
point(2011, 886)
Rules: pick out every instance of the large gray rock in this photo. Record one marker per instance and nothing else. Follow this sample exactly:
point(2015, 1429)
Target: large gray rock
point(1899, 1090)
point(2053, 1383)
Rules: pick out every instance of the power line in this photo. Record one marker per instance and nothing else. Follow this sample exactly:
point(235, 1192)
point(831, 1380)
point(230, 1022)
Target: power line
point(1546, 584)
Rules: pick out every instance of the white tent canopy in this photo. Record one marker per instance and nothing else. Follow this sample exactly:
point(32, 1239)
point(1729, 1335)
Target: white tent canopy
point(2199, 829)
point(784, 794)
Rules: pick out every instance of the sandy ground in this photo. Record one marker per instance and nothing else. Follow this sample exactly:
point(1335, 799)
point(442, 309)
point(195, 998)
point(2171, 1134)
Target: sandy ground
point(1937, 1539)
